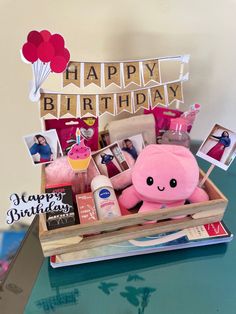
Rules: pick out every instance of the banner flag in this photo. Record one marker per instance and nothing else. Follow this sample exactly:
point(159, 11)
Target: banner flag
point(88, 104)
point(112, 74)
point(72, 74)
point(92, 74)
point(131, 73)
point(124, 102)
point(48, 104)
point(106, 103)
point(174, 91)
point(141, 100)
point(158, 96)
point(68, 105)
point(151, 71)
point(112, 103)
point(120, 73)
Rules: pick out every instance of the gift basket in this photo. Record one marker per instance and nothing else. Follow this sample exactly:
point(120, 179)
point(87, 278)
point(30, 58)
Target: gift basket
point(129, 177)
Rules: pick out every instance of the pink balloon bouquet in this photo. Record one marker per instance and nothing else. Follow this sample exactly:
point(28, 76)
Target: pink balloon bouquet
point(47, 53)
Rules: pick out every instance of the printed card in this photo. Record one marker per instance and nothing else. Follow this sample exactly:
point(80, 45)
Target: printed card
point(219, 148)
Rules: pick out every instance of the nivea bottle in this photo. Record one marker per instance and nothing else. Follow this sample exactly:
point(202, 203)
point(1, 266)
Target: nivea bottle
point(105, 198)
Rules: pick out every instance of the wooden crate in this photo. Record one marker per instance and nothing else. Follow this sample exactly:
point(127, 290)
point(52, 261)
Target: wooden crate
point(72, 238)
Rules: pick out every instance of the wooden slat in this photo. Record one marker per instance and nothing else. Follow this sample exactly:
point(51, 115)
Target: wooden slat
point(51, 248)
point(129, 220)
point(68, 239)
point(212, 189)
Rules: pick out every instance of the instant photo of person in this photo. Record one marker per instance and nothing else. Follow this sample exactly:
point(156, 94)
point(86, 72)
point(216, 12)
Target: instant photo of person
point(104, 139)
point(43, 147)
point(219, 147)
point(133, 145)
point(110, 161)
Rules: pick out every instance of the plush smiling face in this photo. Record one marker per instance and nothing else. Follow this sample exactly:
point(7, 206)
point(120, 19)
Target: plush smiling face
point(165, 173)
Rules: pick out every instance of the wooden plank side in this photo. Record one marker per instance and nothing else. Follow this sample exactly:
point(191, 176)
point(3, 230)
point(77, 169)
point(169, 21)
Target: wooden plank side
point(133, 219)
point(67, 238)
point(212, 189)
point(125, 234)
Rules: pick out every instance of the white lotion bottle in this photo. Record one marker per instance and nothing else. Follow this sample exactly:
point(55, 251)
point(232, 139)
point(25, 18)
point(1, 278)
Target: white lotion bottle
point(105, 198)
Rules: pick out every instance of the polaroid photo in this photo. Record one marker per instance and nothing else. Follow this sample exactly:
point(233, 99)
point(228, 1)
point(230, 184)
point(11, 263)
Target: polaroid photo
point(43, 147)
point(110, 161)
point(133, 145)
point(219, 148)
point(104, 139)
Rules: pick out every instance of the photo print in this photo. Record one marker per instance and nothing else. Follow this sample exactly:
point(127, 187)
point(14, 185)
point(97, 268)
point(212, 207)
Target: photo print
point(219, 148)
point(132, 145)
point(43, 147)
point(110, 160)
point(104, 139)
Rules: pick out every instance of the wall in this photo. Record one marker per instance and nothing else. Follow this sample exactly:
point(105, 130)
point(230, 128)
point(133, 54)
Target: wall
point(114, 30)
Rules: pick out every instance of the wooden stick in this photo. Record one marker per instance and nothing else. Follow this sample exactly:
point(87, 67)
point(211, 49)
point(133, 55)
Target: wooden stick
point(206, 175)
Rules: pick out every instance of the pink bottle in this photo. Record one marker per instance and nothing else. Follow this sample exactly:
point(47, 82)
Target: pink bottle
point(177, 133)
point(190, 115)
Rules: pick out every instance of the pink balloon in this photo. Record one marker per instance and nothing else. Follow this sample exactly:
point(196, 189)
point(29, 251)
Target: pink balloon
point(35, 38)
point(46, 35)
point(29, 51)
point(46, 51)
point(57, 42)
point(64, 53)
point(58, 64)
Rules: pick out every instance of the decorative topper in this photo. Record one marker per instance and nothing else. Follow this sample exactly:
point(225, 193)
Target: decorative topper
point(79, 155)
point(22, 206)
point(219, 148)
point(122, 73)
point(46, 53)
point(43, 147)
point(111, 103)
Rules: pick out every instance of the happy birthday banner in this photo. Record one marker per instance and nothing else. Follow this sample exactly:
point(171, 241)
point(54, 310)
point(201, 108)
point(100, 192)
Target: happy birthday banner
point(79, 105)
point(122, 74)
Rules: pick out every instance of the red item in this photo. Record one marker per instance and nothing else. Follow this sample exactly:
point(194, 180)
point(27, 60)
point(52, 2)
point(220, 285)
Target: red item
point(64, 53)
point(112, 170)
point(58, 64)
point(86, 208)
point(35, 38)
point(46, 51)
point(67, 131)
point(217, 151)
point(46, 35)
point(57, 41)
point(30, 52)
point(215, 229)
point(163, 117)
point(44, 160)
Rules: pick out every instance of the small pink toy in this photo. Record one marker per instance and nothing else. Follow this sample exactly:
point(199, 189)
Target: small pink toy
point(163, 176)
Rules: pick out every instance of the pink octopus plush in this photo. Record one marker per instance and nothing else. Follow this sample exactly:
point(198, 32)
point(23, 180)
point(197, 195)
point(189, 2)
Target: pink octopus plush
point(163, 176)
